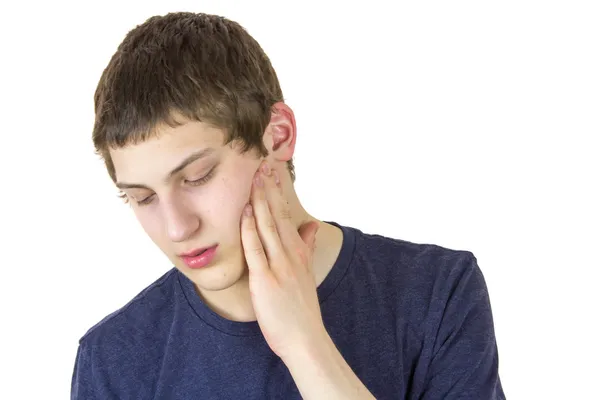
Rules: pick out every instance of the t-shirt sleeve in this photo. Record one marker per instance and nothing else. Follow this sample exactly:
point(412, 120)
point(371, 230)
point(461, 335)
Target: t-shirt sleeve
point(464, 364)
point(82, 381)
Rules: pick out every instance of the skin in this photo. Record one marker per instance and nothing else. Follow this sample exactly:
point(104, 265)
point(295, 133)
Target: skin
point(268, 262)
point(280, 262)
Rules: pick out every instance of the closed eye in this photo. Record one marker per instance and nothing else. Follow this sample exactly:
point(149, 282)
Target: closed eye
point(202, 180)
point(196, 182)
point(145, 201)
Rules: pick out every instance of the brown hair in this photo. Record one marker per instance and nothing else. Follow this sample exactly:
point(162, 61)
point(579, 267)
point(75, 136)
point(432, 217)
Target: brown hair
point(202, 67)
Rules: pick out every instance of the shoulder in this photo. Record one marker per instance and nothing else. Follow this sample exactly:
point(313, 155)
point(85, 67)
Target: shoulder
point(418, 263)
point(123, 349)
point(441, 296)
point(141, 314)
point(417, 280)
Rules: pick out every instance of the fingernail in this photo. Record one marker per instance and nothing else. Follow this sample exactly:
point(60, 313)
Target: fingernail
point(276, 175)
point(258, 180)
point(248, 210)
point(266, 169)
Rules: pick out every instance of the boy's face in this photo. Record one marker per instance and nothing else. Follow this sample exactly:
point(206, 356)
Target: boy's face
point(197, 206)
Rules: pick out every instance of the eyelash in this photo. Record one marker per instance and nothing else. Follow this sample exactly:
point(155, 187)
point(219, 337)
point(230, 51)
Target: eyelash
point(202, 180)
point(197, 182)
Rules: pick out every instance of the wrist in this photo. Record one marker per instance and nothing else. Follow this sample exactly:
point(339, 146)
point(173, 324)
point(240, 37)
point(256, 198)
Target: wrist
point(320, 372)
point(314, 350)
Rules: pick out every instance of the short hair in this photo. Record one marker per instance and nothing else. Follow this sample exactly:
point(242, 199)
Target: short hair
point(200, 66)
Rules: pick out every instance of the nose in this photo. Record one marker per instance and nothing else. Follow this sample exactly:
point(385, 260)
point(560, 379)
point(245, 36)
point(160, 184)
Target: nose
point(180, 220)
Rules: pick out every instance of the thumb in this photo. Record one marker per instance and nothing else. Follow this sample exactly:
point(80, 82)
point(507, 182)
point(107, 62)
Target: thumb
point(308, 233)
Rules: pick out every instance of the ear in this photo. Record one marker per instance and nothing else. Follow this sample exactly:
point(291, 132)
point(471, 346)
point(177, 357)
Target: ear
point(280, 135)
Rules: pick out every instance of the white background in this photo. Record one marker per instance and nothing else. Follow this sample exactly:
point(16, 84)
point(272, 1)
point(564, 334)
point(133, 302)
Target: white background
point(466, 124)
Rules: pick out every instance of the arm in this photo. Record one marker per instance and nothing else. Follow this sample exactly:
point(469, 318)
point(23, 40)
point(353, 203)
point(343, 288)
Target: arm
point(81, 380)
point(320, 372)
point(284, 294)
point(464, 364)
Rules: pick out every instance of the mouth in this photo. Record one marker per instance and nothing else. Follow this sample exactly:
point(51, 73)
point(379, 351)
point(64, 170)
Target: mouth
point(199, 258)
point(196, 252)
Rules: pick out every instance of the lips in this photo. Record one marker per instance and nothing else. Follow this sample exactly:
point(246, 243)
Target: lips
point(195, 253)
point(199, 258)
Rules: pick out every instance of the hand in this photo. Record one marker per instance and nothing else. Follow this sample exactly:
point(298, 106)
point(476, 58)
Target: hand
point(279, 257)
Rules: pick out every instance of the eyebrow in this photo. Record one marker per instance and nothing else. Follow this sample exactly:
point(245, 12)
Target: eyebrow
point(187, 161)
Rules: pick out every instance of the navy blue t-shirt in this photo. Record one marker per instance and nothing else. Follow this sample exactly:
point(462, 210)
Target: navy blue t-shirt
point(412, 320)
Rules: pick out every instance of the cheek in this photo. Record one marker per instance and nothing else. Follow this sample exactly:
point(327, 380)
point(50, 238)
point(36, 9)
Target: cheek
point(234, 194)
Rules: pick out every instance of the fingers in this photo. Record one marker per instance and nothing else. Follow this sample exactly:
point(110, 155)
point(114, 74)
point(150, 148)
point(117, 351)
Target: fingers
point(297, 243)
point(266, 225)
point(282, 214)
point(308, 233)
point(254, 251)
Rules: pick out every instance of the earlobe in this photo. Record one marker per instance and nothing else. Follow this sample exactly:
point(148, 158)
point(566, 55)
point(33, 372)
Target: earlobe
point(281, 138)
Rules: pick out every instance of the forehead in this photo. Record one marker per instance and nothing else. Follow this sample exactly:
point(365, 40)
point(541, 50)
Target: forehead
point(165, 149)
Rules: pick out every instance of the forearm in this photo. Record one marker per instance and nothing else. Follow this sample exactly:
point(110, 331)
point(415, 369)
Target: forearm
point(320, 372)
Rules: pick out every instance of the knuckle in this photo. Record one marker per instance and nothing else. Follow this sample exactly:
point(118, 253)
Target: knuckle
point(289, 274)
point(271, 226)
point(285, 213)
